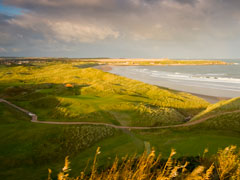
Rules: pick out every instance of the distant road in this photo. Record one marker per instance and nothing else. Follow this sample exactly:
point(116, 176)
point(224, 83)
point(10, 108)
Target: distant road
point(189, 123)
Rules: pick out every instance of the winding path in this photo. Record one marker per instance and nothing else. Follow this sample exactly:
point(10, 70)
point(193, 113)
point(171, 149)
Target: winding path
point(189, 123)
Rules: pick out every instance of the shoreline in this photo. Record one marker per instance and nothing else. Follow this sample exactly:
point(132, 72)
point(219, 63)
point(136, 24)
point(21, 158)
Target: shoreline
point(160, 64)
point(210, 99)
point(105, 68)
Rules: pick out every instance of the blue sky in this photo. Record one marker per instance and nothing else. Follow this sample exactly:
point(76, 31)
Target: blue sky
point(9, 10)
point(120, 28)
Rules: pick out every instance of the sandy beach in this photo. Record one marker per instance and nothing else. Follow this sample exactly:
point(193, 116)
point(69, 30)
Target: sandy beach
point(105, 68)
point(202, 94)
point(210, 99)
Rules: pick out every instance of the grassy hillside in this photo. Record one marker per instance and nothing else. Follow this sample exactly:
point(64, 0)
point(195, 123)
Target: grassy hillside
point(10, 115)
point(73, 92)
point(227, 115)
point(94, 95)
point(220, 107)
point(27, 148)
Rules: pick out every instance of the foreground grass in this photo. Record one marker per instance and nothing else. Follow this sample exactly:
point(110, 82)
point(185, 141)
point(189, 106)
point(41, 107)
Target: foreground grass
point(27, 150)
point(224, 165)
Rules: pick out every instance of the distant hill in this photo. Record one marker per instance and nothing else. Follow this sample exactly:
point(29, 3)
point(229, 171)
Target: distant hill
point(112, 61)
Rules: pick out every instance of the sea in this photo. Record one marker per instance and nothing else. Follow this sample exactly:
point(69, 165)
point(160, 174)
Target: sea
point(210, 80)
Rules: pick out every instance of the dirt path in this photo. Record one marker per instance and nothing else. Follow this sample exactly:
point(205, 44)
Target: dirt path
point(190, 123)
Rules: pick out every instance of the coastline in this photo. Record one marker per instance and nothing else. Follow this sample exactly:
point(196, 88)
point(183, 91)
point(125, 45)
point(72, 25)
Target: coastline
point(159, 63)
point(210, 99)
point(105, 68)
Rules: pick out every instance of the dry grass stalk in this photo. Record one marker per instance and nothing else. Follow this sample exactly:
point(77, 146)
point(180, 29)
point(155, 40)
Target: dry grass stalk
point(149, 167)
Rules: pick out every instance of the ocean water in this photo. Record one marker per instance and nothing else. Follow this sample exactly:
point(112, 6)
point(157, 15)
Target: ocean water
point(211, 80)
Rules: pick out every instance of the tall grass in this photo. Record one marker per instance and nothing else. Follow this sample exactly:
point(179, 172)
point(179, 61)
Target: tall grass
point(225, 165)
point(74, 139)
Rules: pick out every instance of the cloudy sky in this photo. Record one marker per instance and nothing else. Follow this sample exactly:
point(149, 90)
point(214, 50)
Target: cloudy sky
point(120, 28)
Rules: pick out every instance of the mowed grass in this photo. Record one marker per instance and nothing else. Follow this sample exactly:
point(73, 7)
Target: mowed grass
point(189, 142)
point(95, 96)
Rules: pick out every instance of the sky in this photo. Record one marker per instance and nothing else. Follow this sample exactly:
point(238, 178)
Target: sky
point(184, 29)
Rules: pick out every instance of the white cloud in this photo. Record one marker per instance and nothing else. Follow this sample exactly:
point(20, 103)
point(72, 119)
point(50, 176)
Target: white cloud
point(15, 50)
point(2, 50)
point(68, 31)
point(71, 32)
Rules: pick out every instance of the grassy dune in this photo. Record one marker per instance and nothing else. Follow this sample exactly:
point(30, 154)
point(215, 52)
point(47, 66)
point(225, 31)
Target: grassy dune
point(227, 121)
point(96, 96)
point(220, 107)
